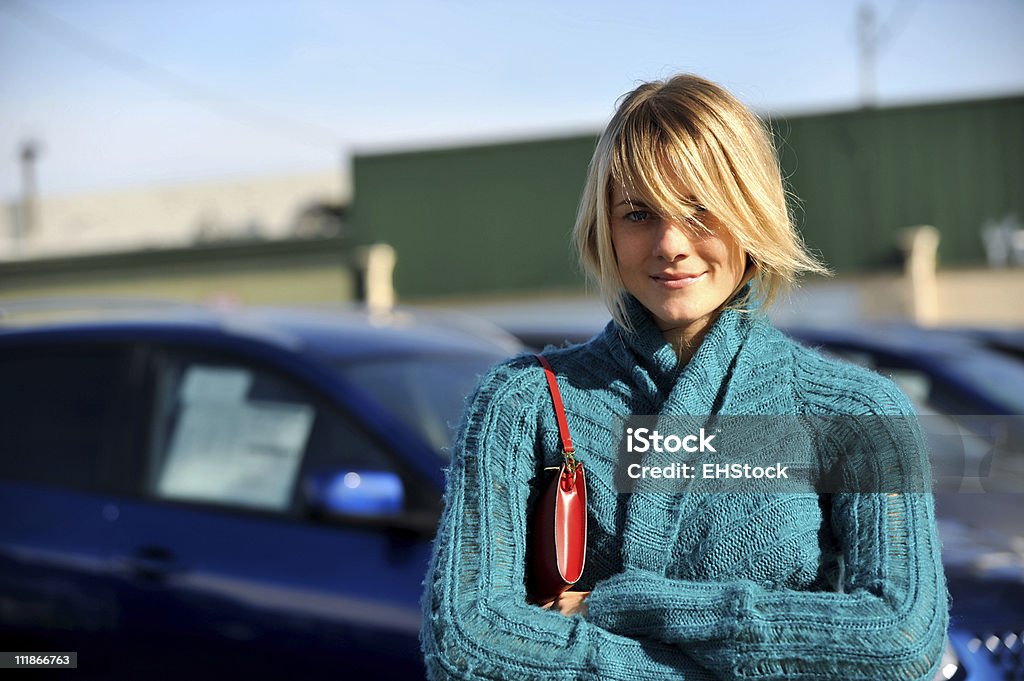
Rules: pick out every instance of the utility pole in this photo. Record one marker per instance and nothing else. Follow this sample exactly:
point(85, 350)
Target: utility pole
point(867, 43)
point(29, 217)
point(873, 37)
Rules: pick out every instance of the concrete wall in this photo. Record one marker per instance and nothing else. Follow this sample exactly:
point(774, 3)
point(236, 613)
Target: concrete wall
point(167, 216)
point(963, 297)
point(297, 271)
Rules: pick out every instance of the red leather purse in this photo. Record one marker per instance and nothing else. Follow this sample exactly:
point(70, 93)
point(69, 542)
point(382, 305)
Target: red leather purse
point(558, 548)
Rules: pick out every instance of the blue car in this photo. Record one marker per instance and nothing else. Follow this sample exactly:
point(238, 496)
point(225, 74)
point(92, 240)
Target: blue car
point(976, 377)
point(188, 493)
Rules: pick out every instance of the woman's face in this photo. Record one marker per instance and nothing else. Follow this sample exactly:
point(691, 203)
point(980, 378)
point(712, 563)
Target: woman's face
point(681, 273)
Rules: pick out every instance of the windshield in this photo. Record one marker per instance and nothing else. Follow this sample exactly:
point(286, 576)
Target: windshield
point(428, 393)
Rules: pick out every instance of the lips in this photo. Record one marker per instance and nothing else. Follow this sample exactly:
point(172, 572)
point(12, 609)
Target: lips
point(677, 279)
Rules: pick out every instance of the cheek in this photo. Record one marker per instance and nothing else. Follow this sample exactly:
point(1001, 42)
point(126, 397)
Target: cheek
point(625, 252)
point(638, 243)
point(730, 258)
point(738, 257)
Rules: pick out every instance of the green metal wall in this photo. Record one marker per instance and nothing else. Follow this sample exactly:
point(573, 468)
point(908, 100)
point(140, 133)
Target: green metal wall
point(477, 219)
point(863, 175)
point(497, 218)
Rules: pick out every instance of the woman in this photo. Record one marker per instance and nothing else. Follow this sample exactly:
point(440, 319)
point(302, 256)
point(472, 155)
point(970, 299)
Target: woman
point(683, 224)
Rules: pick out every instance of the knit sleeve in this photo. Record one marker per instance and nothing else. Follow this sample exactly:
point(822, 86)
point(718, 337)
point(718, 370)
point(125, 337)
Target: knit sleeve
point(476, 621)
point(887, 621)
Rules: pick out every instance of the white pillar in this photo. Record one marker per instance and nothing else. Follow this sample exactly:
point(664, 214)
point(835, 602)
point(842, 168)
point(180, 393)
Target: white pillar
point(921, 247)
point(376, 267)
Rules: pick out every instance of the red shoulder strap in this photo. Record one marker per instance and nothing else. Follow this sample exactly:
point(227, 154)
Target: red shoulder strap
point(556, 397)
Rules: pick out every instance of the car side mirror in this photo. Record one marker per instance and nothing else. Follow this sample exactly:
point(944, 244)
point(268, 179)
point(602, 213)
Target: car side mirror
point(358, 493)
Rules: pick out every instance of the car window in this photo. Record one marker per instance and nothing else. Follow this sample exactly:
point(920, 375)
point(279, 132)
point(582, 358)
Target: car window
point(926, 395)
point(428, 393)
point(229, 432)
point(60, 411)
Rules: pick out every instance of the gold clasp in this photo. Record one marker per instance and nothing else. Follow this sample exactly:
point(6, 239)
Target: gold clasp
point(570, 460)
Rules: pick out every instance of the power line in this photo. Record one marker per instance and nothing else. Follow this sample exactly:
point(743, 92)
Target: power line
point(897, 20)
point(301, 132)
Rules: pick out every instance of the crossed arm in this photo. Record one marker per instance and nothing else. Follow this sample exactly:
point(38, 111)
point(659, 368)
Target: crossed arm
point(477, 622)
point(888, 622)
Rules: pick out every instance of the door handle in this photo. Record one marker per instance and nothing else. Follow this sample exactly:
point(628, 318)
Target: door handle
point(151, 564)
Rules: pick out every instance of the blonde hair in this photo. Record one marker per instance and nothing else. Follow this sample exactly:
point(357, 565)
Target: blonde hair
point(690, 134)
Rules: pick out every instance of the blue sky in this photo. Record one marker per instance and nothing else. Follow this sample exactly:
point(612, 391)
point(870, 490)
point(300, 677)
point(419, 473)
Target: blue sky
point(149, 92)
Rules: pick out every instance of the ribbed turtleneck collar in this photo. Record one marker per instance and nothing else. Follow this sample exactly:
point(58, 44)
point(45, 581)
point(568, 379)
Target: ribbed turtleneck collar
point(741, 367)
point(716, 380)
point(673, 387)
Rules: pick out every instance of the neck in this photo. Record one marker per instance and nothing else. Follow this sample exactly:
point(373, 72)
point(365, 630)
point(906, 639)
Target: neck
point(687, 338)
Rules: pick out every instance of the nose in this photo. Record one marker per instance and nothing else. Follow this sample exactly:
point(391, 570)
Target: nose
point(672, 240)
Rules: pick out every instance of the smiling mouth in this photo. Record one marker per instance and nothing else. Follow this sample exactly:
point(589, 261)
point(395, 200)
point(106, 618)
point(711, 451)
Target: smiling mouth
point(677, 280)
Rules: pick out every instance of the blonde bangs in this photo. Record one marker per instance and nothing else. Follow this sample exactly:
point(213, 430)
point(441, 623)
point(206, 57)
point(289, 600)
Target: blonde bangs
point(659, 169)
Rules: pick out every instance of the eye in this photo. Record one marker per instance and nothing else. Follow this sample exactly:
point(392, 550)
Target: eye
point(699, 216)
point(639, 216)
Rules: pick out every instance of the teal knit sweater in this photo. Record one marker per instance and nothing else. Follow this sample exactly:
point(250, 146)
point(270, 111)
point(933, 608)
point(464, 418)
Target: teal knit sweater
point(716, 586)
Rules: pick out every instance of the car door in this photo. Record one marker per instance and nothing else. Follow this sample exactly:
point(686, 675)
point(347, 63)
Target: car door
point(225, 568)
point(67, 405)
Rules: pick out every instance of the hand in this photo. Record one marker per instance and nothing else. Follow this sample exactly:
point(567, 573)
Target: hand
point(570, 603)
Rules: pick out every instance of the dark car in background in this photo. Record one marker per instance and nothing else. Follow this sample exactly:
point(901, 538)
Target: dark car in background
point(970, 382)
point(191, 493)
